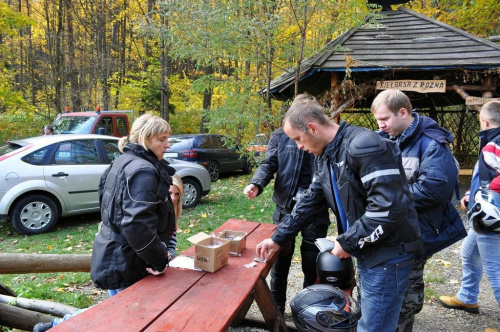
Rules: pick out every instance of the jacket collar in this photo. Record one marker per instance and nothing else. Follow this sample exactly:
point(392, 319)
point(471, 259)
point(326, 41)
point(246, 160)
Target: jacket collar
point(488, 135)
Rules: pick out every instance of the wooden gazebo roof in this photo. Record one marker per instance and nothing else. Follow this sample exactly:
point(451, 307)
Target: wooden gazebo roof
point(400, 44)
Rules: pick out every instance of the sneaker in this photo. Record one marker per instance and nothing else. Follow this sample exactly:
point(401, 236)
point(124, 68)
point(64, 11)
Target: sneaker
point(42, 327)
point(454, 303)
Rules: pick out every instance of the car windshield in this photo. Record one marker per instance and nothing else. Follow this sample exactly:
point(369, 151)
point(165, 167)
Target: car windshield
point(73, 124)
point(9, 147)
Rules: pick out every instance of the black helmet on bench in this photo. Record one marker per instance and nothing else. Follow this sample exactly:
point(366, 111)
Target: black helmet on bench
point(324, 308)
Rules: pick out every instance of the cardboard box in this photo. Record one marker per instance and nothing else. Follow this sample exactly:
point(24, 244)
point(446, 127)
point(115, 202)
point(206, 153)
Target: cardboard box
point(211, 253)
point(238, 241)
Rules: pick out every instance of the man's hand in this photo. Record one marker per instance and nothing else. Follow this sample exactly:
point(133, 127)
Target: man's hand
point(464, 202)
point(251, 191)
point(338, 251)
point(266, 248)
point(153, 272)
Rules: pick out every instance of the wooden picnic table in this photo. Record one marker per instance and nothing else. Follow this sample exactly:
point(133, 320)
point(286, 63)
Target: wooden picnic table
point(189, 300)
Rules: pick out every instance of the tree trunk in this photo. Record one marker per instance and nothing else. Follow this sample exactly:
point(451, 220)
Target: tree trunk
point(46, 307)
point(76, 99)
point(42, 263)
point(19, 318)
point(207, 99)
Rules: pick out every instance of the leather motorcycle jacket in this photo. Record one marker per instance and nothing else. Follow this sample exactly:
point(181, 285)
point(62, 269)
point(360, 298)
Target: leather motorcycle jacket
point(137, 219)
point(373, 192)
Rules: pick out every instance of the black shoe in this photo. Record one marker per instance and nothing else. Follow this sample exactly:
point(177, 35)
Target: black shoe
point(42, 327)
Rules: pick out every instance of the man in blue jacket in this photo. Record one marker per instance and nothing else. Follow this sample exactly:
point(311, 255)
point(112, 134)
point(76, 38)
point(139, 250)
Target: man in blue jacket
point(361, 177)
point(293, 169)
point(481, 249)
point(432, 176)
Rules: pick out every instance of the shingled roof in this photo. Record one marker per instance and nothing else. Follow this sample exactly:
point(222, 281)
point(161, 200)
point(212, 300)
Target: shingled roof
point(400, 39)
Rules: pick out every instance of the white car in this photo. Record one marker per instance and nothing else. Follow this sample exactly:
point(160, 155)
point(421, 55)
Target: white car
point(47, 177)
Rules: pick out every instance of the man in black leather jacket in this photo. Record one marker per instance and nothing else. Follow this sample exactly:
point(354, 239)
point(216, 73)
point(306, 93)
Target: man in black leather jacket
point(380, 223)
point(293, 169)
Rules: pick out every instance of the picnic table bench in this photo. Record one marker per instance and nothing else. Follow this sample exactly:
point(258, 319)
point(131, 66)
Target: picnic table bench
point(189, 300)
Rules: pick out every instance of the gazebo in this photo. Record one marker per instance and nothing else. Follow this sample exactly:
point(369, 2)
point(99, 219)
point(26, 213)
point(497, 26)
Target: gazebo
point(447, 73)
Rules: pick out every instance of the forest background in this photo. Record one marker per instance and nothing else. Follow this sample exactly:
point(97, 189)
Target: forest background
point(200, 64)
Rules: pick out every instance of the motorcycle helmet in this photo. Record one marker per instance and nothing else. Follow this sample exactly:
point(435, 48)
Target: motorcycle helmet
point(485, 213)
point(334, 271)
point(324, 308)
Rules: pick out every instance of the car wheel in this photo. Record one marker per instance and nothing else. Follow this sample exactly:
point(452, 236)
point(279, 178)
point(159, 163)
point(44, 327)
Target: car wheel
point(213, 170)
point(192, 193)
point(34, 214)
point(247, 169)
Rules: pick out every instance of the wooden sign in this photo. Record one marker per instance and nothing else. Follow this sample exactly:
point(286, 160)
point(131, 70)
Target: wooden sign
point(421, 86)
point(479, 100)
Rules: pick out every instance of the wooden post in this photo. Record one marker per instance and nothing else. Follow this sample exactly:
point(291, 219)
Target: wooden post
point(19, 318)
point(41, 263)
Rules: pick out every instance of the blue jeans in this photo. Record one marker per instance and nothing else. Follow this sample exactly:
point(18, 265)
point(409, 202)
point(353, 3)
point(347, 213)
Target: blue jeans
point(478, 251)
point(382, 293)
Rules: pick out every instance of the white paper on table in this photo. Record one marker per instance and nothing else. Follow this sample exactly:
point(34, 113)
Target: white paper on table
point(183, 262)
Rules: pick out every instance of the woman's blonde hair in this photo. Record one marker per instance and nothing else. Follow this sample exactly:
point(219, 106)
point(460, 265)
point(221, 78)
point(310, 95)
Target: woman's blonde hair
point(176, 181)
point(144, 127)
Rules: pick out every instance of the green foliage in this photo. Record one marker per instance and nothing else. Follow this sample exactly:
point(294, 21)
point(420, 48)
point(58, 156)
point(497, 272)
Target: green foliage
point(21, 125)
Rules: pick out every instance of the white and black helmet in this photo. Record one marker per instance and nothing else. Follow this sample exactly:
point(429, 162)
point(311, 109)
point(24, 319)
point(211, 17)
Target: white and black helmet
point(324, 308)
point(485, 213)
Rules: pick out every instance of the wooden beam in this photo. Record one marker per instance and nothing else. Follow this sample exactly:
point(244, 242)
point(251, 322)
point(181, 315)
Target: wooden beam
point(19, 318)
point(6, 290)
point(473, 88)
point(41, 263)
point(47, 307)
point(464, 95)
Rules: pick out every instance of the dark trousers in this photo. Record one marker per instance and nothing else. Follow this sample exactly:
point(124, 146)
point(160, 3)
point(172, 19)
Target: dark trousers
point(309, 252)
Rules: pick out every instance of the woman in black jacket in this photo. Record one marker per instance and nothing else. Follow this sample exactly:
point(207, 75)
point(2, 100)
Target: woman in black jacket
point(137, 212)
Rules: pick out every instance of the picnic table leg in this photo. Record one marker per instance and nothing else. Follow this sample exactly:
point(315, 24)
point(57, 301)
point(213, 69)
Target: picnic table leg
point(268, 307)
point(242, 312)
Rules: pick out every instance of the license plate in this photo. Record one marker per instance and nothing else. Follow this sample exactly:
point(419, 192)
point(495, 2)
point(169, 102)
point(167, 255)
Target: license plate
point(171, 154)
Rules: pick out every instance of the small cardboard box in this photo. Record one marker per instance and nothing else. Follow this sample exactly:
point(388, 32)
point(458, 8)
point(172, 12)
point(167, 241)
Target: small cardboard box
point(238, 241)
point(210, 253)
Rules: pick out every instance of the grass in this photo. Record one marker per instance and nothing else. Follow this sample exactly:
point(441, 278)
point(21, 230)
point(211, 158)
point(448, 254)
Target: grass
point(76, 235)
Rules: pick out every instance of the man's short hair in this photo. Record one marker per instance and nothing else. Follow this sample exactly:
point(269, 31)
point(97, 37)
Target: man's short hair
point(49, 127)
point(304, 109)
point(393, 99)
point(491, 110)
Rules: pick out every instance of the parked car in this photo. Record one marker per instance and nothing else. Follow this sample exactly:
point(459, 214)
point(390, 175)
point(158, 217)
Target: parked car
point(209, 150)
point(197, 182)
point(47, 177)
point(113, 123)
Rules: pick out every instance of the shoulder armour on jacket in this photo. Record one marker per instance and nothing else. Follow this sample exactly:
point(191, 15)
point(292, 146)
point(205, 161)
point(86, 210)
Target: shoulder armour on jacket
point(366, 142)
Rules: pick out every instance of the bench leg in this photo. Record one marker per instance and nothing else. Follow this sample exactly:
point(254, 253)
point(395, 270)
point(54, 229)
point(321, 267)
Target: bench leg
point(268, 307)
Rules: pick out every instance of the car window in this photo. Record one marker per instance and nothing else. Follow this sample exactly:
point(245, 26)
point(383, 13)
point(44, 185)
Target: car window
point(202, 142)
point(36, 157)
point(107, 124)
point(121, 126)
point(9, 147)
point(111, 148)
point(79, 152)
point(73, 124)
point(217, 142)
point(180, 143)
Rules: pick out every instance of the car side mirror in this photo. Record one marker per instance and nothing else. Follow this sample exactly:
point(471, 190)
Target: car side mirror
point(101, 131)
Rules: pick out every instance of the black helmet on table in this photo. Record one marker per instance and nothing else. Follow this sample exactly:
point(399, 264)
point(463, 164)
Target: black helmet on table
point(485, 213)
point(324, 308)
point(334, 271)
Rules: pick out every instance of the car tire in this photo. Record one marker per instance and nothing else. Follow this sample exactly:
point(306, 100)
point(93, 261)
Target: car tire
point(34, 214)
point(192, 193)
point(248, 167)
point(213, 170)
